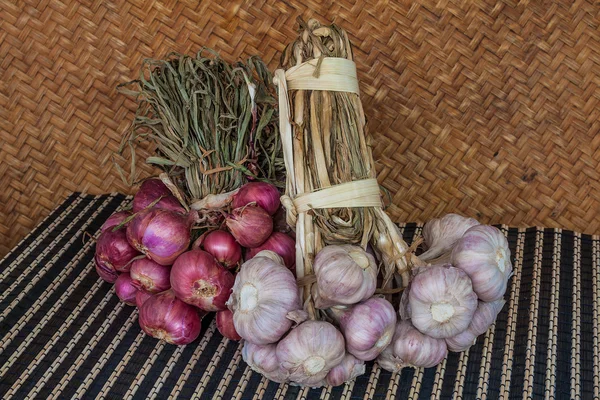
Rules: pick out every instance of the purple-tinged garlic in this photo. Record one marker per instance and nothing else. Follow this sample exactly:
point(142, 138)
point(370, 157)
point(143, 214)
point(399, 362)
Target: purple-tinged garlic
point(310, 351)
point(263, 294)
point(388, 361)
point(484, 255)
point(484, 317)
point(263, 359)
point(346, 274)
point(441, 234)
point(416, 349)
point(368, 327)
point(441, 301)
point(347, 370)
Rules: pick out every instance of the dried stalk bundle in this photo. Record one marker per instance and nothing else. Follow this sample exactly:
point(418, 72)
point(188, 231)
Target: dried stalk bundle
point(214, 124)
point(333, 197)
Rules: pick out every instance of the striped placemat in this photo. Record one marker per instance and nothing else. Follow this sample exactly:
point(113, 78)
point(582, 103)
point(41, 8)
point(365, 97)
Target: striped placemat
point(64, 334)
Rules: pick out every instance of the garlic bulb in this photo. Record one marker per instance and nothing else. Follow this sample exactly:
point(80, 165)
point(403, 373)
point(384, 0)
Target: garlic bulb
point(415, 349)
point(484, 255)
point(263, 359)
point(345, 275)
point(484, 317)
point(310, 351)
point(347, 370)
point(441, 234)
point(263, 294)
point(368, 328)
point(442, 301)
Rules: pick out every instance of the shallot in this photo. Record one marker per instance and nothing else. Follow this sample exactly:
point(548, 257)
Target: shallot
point(250, 225)
point(263, 194)
point(114, 251)
point(149, 276)
point(125, 289)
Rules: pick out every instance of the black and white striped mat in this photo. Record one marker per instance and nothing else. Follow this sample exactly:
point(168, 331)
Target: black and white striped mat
point(64, 334)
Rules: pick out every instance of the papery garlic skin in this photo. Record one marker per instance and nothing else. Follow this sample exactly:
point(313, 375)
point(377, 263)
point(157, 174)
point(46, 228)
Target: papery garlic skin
point(263, 359)
point(368, 327)
point(310, 351)
point(442, 301)
point(483, 253)
point(263, 294)
point(441, 234)
point(415, 348)
point(346, 274)
point(345, 371)
point(483, 318)
point(388, 361)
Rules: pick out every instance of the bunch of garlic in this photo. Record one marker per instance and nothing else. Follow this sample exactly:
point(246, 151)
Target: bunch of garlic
point(345, 275)
point(264, 300)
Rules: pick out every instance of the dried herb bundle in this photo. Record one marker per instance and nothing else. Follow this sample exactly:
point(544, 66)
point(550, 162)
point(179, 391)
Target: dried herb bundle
point(330, 148)
point(214, 124)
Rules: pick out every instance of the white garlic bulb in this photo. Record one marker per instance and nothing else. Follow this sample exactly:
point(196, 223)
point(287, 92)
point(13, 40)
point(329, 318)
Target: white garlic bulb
point(310, 351)
point(388, 361)
point(345, 371)
point(483, 253)
point(416, 349)
point(368, 327)
point(346, 274)
point(442, 301)
point(484, 317)
point(264, 292)
point(441, 234)
point(263, 359)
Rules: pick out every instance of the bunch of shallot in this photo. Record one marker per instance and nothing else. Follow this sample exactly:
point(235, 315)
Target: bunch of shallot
point(149, 256)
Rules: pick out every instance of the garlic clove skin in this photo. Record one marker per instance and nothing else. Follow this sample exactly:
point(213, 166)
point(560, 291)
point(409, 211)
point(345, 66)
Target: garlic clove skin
point(441, 301)
point(263, 359)
point(263, 294)
point(483, 318)
point(368, 328)
point(345, 371)
point(310, 351)
point(483, 253)
point(346, 274)
point(441, 234)
point(388, 361)
point(415, 349)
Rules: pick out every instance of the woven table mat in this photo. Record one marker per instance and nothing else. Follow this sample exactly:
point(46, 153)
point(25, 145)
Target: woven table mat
point(490, 108)
point(64, 334)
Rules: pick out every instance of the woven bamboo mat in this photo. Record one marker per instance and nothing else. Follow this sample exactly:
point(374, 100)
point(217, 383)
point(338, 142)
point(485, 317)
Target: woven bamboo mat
point(64, 334)
point(489, 108)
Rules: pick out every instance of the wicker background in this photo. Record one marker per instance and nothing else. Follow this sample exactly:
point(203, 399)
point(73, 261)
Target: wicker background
point(487, 108)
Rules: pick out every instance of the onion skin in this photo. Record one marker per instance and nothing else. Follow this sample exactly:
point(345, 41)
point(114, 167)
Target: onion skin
point(223, 247)
point(250, 225)
point(125, 289)
point(149, 276)
point(224, 320)
point(115, 220)
point(141, 297)
point(152, 189)
point(162, 235)
point(114, 251)
point(165, 317)
point(108, 274)
point(281, 244)
point(263, 194)
point(198, 279)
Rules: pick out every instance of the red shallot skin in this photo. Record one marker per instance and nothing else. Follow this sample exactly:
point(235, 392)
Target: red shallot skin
point(250, 225)
point(152, 189)
point(198, 279)
point(149, 276)
point(224, 320)
point(223, 247)
point(263, 194)
point(125, 289)
point(162, 235)
point(141, 297)
point(115, 220)
point(279, 243)
point(163, 316)
point(105, 272)
point(114, 250)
